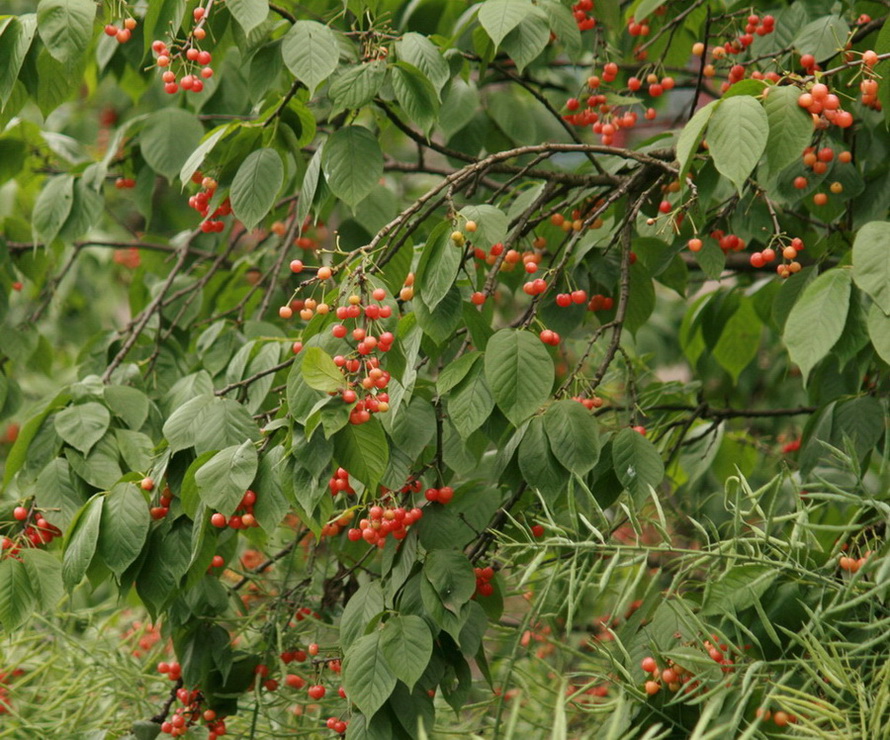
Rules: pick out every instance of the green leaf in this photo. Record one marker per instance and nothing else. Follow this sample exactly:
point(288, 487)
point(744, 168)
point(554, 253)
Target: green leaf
point(470, 402)
point(196, 158)
point(738, 589)
point(440, 324)
point(421, 53)
point(416, 95)
point(311, 52)
point(413, 427)
point(52, 207)
point(520, 373)
point(320, 372)
point(248, 13)
point(65, 27)
point(439, 264)
point(871, 262)
point(454, 372)
point(740, 339)
point(641, 298)
point(407, 645)
point(367, 677)
point(860, 422)
point(82, 426)
point(690, 137)
point(499, 17)
point(124, 527)
point(352, 163)
point(737, 135)
point(790, 127)
point(15, 41)
point(645, 8)
point(637, 463)
point(450, 574)
point(563, 25)
point(538, 464)
point(256, 184)
point(81, 540)
point(45, 574)
point(224, 478)
point(817, 319)
point(355, 87)
point(360, 613)
point(879, 331)
point(130, 404)
point(459, 104)
point(168, 139)
point(363, 450)
point(823, 37)
point(208, 423)
point(56, 490)
point(573, 434)
point(528, 39)
point(16, 594)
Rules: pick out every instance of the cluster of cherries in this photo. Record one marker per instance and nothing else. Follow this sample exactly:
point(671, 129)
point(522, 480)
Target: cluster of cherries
point(675, 676)
point(36, 532)
point(591, 403)
point(605, 119)
point(4, 693)
point(441, 495)
point(191, 713)
point(200, 202)
point(779, 718)
point(852, 565)
point(362, 371)
point(483, 581)
point(383, 521)
point(122, 33)
point(243, 517)
point(581, 12)
point(193, 62)
point(164, 500)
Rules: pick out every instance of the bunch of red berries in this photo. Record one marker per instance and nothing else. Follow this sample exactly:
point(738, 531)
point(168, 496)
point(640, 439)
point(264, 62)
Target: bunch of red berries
point(243, 517)
point(383, 522)
point(483, 580)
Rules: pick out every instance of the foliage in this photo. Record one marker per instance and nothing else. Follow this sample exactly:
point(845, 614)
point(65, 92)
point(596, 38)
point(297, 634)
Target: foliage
point(512, 370)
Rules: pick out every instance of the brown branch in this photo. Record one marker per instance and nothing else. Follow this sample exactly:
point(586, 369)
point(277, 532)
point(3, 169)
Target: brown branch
point(17, 247)
point(484, 540)
point(134, 329)
point(255, 377)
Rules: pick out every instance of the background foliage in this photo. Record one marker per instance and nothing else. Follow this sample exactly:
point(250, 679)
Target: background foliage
point(514, 369)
